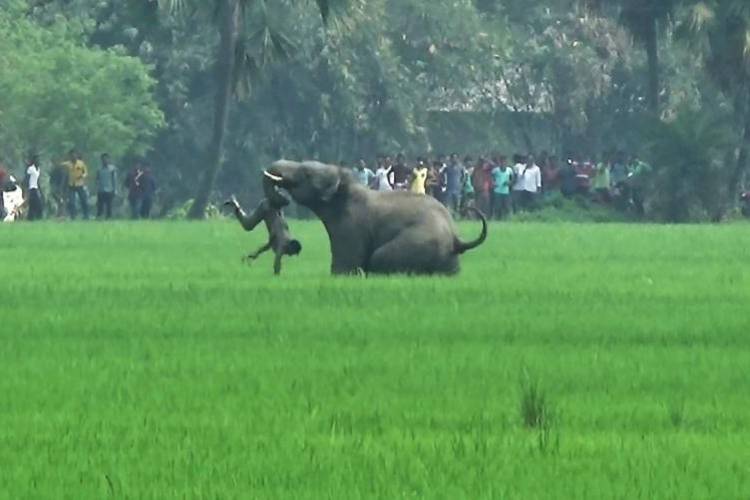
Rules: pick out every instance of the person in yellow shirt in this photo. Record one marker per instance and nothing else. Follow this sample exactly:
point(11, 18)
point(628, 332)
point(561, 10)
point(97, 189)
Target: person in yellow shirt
point(77, 174)
point(419, 177)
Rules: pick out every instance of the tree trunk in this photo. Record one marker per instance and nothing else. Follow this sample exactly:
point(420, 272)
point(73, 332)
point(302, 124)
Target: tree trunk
point(742, 159)
point(652, 51)
point(229, 25)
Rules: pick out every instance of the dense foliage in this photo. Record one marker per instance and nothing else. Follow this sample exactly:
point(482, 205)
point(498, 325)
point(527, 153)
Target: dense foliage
point(241, 82)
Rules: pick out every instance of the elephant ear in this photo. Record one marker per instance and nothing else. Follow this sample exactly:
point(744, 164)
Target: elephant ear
point(326, 182)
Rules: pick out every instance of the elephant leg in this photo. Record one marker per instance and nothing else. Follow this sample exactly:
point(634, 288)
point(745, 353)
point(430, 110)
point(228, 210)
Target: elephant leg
point(409, 254)
point(347, 257)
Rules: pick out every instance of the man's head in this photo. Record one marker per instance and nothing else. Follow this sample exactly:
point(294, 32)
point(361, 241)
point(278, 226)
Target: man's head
point(361, 164)
point(530, 160)
point(400, 159)
point(293, 247)
point(105, 159)
point(33, 159)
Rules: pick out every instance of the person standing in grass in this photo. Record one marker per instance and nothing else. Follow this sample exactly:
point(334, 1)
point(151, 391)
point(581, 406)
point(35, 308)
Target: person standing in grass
point(383, 176)
point(454, 177)
point(502, 177)
point(148, 190)
point(77, 174)
point(601, 182)
point(532, 183)
point(135, 190)
point(34, 197)
point(517, 196)
point(364, 175)
point(106, 188)
point(419, 178)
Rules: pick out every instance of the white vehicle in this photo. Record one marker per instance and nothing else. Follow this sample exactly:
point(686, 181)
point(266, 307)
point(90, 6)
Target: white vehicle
point(12, 201)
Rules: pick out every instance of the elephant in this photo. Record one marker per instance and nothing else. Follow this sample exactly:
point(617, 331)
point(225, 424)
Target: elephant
point(372, 232)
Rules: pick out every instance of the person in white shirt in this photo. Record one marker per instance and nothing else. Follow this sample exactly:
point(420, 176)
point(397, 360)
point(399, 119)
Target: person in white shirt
point(517, 194)
point(36, 203)
point(12, 198)
point(383, 178)
point(532, 183)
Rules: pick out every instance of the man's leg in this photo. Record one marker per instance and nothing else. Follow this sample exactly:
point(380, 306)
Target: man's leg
point(84, 201)
point(248, 222)
point(133, 207)
point(108, 205)
point(506, 205)
point(72, 210)
point(146, 207)
point(99, 204)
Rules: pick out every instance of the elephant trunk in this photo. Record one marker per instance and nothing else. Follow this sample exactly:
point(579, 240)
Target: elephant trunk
point(271, 190)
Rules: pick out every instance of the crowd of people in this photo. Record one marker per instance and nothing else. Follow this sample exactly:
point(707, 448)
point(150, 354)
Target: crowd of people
point(69, 190)
point(499, 187)
point(494, 184)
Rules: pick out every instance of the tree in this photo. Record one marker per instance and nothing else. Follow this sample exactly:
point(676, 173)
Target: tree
point(643, 18)
point(719, 29)
point(232, 57)
point(59, 93)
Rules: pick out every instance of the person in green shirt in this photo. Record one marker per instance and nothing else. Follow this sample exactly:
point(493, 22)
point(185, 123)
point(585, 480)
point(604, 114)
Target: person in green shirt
point(502, 177)
point(637, 179)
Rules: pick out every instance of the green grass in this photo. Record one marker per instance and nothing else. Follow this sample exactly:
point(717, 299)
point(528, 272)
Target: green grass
point(565, 361)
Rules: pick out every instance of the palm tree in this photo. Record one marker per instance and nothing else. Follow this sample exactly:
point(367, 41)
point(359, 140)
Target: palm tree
point(719, 29)
point(643, 19)
point(233, 57)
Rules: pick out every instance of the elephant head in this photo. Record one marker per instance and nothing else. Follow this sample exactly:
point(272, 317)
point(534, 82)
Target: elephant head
point(310, 183)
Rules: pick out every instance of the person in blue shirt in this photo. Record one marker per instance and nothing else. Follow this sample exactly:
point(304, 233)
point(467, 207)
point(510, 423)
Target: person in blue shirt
point(364, 175)
point(454, 179)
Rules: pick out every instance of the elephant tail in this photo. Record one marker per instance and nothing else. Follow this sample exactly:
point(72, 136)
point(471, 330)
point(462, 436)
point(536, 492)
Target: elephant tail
point(462, 247)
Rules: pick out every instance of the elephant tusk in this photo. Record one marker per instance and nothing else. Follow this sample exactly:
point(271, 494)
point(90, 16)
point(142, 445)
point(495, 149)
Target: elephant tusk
point(275, 178)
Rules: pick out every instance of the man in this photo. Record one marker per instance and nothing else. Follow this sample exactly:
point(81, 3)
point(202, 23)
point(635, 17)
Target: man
point(279, 238)
point(454, 178)
point(637, 179)
point(519, 168)
point(480, 178)
point(551, 175)
point(532, 183)
point(502, 176)
point(364, 175)
point(601, 182)
point(3, 180)
point(401, 173)
point(135, 191)
point(77, 174)
point(419, 178)
point(106, 188)
point(12, 198)
point(58, 187)
point(568, 179)
point(383, 176)
point(148, 190)
point(35, 200)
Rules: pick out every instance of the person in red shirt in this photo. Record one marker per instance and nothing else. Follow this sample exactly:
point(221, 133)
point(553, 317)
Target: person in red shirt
point(482, 182)
point(551, 175)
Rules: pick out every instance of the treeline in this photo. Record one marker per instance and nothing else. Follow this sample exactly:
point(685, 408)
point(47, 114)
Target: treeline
point(210, 91)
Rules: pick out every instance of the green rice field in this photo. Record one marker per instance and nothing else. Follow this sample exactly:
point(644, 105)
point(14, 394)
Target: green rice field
point(570, 361)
